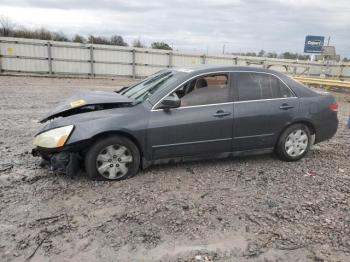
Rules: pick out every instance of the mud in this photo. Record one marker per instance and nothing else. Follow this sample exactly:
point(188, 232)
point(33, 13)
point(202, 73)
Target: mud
point(243, 209)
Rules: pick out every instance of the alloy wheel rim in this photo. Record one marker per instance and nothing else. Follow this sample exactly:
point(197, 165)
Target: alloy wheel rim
point(296, 143)
point(113, 161)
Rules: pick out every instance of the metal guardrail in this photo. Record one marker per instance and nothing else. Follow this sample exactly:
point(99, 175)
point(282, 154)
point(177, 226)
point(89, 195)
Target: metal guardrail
point(328, 83)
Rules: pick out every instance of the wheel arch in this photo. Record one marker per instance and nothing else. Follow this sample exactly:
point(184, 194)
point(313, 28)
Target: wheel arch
point(305, 122)
point(117, 133)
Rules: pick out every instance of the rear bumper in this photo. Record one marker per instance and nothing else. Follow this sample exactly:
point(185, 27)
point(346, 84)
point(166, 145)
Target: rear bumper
point(326, 129)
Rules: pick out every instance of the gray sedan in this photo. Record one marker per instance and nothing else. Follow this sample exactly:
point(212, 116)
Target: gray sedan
point(185, 114)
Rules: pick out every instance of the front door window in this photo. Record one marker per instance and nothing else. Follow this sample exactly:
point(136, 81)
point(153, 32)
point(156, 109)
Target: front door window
point(205, 90)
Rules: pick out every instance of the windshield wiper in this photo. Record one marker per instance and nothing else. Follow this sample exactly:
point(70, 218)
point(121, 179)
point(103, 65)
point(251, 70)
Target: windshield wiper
point(121, 90)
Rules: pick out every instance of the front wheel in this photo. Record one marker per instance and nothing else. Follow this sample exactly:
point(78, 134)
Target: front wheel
point(113, 158)
point(294, 143)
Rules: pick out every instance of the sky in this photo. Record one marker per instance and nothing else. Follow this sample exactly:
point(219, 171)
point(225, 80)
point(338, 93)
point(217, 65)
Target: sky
point(199, 26)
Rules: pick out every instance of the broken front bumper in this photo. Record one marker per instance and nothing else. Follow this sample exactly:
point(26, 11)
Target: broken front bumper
point(61, 162)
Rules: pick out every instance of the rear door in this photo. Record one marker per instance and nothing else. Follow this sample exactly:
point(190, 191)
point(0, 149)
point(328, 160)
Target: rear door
point(264, 106)
point(203, 125)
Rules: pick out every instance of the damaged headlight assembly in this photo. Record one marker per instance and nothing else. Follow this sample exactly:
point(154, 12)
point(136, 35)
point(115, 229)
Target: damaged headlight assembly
point(53, 138)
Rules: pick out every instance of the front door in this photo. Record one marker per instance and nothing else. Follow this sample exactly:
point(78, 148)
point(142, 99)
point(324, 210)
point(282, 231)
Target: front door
point(201, 126)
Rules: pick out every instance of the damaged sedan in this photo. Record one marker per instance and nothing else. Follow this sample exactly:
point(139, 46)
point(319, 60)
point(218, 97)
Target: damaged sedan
point(185, 114)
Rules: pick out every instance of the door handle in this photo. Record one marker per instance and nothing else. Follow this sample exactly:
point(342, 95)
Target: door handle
point(221, 113)
point(285, 106)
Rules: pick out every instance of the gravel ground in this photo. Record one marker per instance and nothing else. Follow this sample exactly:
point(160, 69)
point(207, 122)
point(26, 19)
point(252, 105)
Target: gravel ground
point(244, 209)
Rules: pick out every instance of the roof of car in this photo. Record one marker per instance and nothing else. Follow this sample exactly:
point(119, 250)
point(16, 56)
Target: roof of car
point(194, 71)
point(208, 68)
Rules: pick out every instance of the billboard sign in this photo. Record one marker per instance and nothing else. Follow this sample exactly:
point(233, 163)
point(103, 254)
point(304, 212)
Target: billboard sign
point(313, 44)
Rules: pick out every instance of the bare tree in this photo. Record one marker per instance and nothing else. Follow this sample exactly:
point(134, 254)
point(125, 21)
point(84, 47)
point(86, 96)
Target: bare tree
point(261, 53)
point(118, 40)
point(59, 36)
point(100, 40)
point(138, 43)
point(161, 45)
point(6, 26)
point(79, 39)
point(43, 34)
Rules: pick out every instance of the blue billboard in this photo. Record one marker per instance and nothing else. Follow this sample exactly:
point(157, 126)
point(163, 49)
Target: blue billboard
point(313, 44)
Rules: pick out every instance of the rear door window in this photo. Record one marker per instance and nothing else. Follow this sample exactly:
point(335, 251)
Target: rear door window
point(257, 86)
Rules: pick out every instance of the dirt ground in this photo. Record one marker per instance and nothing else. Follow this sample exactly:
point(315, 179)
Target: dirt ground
point(244, 209)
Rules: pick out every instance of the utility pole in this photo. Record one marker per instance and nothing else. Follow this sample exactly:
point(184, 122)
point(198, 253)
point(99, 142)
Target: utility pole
point(326, 59)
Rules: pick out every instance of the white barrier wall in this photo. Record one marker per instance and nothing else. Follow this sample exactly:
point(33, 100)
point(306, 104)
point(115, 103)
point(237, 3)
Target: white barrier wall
point(19, 55)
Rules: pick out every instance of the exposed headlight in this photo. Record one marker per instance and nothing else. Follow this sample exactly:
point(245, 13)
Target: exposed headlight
point(53, 138)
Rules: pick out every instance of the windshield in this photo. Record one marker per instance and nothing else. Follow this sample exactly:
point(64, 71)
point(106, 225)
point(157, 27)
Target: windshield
point(141, 91)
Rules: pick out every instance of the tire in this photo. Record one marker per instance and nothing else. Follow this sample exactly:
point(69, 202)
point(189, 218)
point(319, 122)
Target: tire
point(113, 158)
point(294, 143)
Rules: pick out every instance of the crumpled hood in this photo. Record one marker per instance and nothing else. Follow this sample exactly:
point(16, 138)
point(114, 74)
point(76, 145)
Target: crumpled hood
point(85, 99)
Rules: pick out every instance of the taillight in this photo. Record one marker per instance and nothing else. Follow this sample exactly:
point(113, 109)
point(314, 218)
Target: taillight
point(333, 107)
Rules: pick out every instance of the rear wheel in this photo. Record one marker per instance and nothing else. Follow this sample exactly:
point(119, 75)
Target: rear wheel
point(294, 143)
point(112, 158)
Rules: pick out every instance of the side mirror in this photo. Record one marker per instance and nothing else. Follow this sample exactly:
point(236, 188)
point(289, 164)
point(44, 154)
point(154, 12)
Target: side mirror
point(170, 102)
